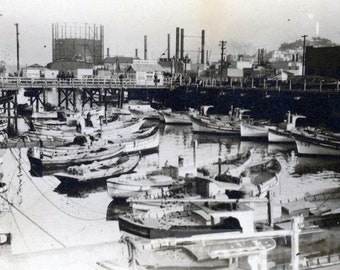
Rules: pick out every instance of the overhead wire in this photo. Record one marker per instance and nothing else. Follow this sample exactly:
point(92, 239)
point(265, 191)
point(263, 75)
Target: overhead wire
point(92, 210)
point(31, 220)
point(53, 204)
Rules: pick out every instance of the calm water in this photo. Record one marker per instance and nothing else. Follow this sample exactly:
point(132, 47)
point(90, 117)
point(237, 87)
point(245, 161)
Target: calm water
point(47, 217)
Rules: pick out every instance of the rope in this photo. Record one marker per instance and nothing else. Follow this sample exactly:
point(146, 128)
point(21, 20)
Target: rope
point(36, 224)
point(53, 204)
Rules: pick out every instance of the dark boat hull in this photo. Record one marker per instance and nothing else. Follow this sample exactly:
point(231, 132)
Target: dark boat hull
point(175, 231)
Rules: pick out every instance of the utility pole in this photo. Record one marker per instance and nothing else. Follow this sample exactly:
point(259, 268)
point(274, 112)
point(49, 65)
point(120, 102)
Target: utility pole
point(18, 65)
point(304, 55)
point(222, 44)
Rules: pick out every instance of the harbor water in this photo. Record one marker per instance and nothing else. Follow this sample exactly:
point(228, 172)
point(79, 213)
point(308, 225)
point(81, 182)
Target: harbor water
point(45, 216)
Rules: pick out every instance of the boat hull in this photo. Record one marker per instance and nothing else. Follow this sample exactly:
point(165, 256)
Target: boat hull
point(202, 127)
point(280, 136)
point(253, 131)
point(175, 231)
point(313, 147)
point(176, 119)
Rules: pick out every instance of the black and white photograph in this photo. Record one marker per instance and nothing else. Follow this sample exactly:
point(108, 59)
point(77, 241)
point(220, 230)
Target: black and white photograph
point(169, 134)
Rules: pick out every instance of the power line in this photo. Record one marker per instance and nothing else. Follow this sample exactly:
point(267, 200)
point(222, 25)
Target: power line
point(53, 204)
point(36, 224)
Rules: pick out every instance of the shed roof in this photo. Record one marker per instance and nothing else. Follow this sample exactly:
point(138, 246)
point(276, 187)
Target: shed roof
point(145, 67)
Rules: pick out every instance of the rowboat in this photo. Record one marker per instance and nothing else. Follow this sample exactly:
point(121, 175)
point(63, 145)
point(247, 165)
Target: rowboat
point(41, 162)
point(135, 184)
point(99, 170)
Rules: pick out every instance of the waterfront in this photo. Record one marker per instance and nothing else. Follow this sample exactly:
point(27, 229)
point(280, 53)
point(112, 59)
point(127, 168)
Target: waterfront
point(43, 219)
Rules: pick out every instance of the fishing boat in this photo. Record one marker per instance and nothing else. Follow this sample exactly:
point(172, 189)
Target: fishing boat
point(204, 124)
point(185, 219)
point(99, 170)
point(283, 133)
point(175, 118)
point(315, 142)
point(255, 128)
point(43, 161)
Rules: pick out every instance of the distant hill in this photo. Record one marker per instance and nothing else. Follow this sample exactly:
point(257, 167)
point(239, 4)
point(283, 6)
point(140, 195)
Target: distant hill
point(314, 41)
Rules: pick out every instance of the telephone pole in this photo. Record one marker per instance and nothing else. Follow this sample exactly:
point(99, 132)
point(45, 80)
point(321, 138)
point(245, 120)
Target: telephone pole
point(222, 44)
point(18, 65)
point(304, 55)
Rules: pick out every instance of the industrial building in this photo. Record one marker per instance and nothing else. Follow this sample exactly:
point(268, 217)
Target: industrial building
point(76, 46)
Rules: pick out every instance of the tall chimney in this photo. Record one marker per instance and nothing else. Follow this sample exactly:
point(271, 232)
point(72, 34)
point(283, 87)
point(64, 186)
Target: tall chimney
point(182, 43)
point(108, 52)
point(177, 43)
point(168, 47)
point(202, 47)
point(145, 48)
point(136, 53)
point(207, 56)
point(259, 56)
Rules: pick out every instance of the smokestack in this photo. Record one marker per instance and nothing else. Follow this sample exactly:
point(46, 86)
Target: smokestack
point(202, 47)
point(182, 43)
point(145, 48)
point(168, 47)
point(177, 43)
point(136, 53)
point(207, 56)
point(259, 56)
point(108, 52)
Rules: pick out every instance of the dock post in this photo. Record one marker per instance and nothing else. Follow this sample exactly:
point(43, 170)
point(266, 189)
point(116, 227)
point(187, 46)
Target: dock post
point(304, 84)
point(219, 166)
point(290, 84)
point(270, 209)
point(297, 223)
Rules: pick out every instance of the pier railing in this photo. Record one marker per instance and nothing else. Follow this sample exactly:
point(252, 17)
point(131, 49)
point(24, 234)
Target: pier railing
point(17, 82)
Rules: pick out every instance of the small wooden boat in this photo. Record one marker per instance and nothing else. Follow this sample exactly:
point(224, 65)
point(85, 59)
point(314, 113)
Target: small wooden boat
point(41, 162)
point(317, 143)
point(135, 184)
point(99, 170)
point(283, 133)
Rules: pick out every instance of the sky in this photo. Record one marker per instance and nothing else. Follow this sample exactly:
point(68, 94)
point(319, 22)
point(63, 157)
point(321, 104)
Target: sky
point(246, 25)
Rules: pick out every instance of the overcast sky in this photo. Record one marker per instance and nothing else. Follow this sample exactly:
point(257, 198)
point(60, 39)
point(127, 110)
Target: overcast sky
point(246, 25)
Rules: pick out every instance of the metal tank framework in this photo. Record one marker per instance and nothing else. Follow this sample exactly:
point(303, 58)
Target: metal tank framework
point(78, 42)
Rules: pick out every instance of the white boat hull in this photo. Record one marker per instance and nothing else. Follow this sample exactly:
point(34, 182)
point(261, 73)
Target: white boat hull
point(253, 131)
point(176, 118)
point(280, 136)
point(310, 148)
